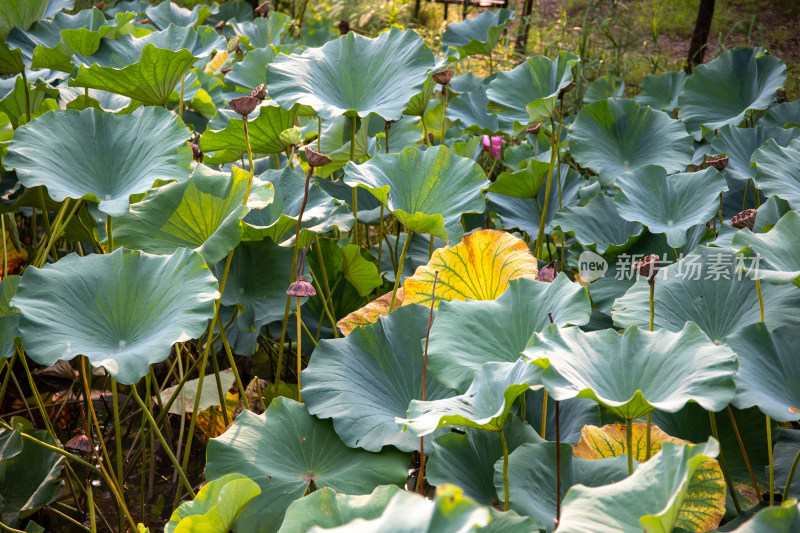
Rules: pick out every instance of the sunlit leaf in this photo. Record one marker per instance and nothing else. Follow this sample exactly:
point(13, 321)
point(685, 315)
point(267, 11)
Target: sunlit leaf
point(216, 506)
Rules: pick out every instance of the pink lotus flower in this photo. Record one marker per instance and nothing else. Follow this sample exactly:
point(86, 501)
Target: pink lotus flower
point(493, 144)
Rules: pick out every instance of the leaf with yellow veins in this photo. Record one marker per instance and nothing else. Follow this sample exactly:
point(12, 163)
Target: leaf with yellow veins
point(704, 504)
point(477, 268)
point(369, 313)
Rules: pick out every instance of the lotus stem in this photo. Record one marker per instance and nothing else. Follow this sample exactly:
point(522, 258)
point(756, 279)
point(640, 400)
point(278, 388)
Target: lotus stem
point(444, 113)
point(723, 465)
point(5, 250)
point(760, 299)
point(791, 475)
point(319, 134)
point(652, 282)
point(746, 191)
point(8, 365)
point(544, 415)
point(227, 347)
point(220, 392)
point(629, 443)
point(299, 350)
point(84, 363)
point(744, 452)
point(543, 216)
point(380, 235)
point(109, 234)
point(399, 273)
point(180, 102)
point(430, 249)
point(249, 160)
point(386, 128)
point(44, 249)
point(117, 433)
point(522, 406)
point(420, 476)
point(355, 189)
point(505, 470)
point(555, 147)
point(720, 210)
point(163, 441)
point(325, 296)
point(90, 504)
point(771, 464)
point(558, 461)
point(648, 444)
point(45, 218)
point(27, 96)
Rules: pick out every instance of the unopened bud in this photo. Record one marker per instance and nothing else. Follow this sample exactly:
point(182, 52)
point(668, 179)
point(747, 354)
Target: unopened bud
point(291, 137)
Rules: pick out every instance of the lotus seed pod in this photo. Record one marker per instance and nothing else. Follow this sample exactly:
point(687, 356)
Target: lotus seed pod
point(745, 219)
point(548, 273)
point(534, 130)
point(430, 138)
point(219, 25)
point(443, 77)
point(259, 92)
point(780, 95)
point(316, 159)
point(719, 162)
point(233, 45)
point(225, 70)
point(647, 266)
point(344, 27)
point(80, 442)
point(244, 105)
point(263, 9)
point(566, 89)
point(301, 288)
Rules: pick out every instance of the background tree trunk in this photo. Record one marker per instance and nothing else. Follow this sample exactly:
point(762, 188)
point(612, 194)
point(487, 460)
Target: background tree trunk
point(524, 26)
point(697, 48)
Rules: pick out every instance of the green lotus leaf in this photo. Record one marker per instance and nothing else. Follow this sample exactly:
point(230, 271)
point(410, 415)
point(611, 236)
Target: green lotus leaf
point(574, 414)
point(279, 219)
point(470, 109)
point(23, 13)
point(777, 251)
point(529, 92)
point(353, 75)
point(367, 379)
point(618, 135)
point(418, 254)
point(532, 478)
point(708, 287)
point(477, 35)
point(147, 68)
point(204, 213)
point(740, 143)
point(778, 170)
point(28, 472)
point(286, 451)
point(634, 372)
point(649, 500)
point(336, 144)
point(767, 369)
point(264, 130)
point(527, 180)
point(485, 405)
point(326, 508)
point(13, 100)
point(603, 88)
point(727, 89)
point(75, 98)
point(427, 191)
point(468, 459)
point(779, 519)
point(216, 506)
point(9, 317)
point(118, 326)
point(260, 33)
point(499, 329)
point(661, 92)
point(166, 13)
point(251, 71)
point(599, 226)
point(669, 204)
point(784, 115)
point(784, 452)
point(51, 44)
point(99, 156)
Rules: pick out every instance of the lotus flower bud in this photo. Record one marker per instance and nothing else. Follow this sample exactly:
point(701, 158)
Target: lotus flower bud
point(547, 274)
point(259, 92)
point(566, 89)
point(443, 77)
point(263, 9)
point(244, 105)
point(316, 159)
point(197, 155)
point(647, 266)
point(745, 219)
point(301, 288)
point(719, 162)
point(534, 130)
point(430, 138)
point(291, 137)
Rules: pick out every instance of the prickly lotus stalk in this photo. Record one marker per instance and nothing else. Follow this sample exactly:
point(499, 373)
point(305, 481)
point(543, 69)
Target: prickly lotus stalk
point(745, 219)
point(300, 288)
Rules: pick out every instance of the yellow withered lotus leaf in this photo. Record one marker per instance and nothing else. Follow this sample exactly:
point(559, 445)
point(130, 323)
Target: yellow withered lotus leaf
point(478, 268)
point(369, 313)
point(704, 504)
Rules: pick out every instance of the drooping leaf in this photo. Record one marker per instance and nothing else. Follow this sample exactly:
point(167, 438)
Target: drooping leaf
point(599, 226)
point(209, 397)
point(529, 92)
point(477, 35)
point(778, 172)
point(120, 326)
point(649, 500)
point(478, 268)
point(779, 519)
point(99, 156)
point(618, 135)
point(499, 329)
point(777, 251)
point(166, 13)
point(768, 369)
point(708, 287)
point(485, 405)
point(725, 90)
point(216, 506)
point(286, 450)
point(204, 213)
point(353, 75)
point(426, 191)
point(634, 372)
point(704, 503)
point(367, 379)
point(661, 92)
point(260, 33)
point(784, 115)
point(264, 131)
point(370, 313)
point(740, 143)
point(603, 88)
point(574, 414)
point(669, 204)
point(146, 68)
